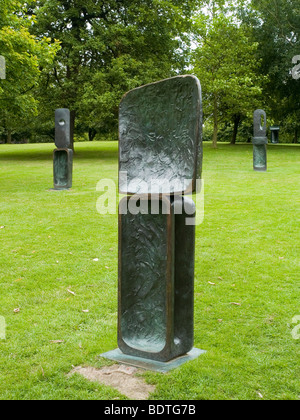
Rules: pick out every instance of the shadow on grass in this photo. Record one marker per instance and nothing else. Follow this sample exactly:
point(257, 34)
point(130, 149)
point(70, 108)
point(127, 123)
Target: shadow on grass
point(32, 156)
point(96, 153)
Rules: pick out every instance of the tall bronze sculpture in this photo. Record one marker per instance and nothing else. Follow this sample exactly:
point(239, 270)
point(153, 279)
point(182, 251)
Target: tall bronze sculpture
point(63, 155)
point(260, 141)
point(161, 157)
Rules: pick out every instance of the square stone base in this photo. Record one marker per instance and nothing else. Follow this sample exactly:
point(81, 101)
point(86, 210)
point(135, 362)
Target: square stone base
point(152, 365)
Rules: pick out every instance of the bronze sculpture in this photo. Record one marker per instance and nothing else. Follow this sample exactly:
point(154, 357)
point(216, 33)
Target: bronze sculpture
point(260, 141)
point(63, 155)
point(161, 154)
point(275, 134)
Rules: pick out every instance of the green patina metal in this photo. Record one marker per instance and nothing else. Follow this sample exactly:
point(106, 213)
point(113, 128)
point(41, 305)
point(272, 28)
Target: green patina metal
point(160, 137)
point(146, 275)
point(63, 155)
point(260, 141)
point(62, 168)
point(156, 274)
point(161, 154)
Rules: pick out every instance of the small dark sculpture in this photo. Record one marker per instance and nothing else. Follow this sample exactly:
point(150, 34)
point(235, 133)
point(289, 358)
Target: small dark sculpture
point(260, 141)
point(63, 155)
point(161, 154)
point(275, 134)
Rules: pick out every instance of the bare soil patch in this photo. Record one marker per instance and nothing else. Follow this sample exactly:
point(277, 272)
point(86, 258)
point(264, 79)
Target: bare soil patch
point(120, 377)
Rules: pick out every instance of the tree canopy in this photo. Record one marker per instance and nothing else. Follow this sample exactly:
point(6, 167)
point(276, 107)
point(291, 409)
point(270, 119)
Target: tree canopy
point(86, 55)
point(226, 63)
point(276, 28)
point(107, 48)
point(25, 56)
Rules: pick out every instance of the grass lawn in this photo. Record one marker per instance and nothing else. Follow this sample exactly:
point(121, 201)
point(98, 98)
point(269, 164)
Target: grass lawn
point(247, 246)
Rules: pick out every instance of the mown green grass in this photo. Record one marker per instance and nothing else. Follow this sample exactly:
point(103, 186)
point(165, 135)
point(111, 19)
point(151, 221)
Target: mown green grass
point(248, 245)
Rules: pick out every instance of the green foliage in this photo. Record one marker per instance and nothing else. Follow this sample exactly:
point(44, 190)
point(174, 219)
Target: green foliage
point(276, 27)
point(226, 64)
point(24, 56)
point(108, 48)
point(85, 55)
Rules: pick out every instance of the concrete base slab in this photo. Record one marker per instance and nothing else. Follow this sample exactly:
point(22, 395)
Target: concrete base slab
point(152, 365)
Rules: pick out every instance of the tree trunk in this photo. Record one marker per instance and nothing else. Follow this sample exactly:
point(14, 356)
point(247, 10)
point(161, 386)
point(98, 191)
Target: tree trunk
point(92, 134)
point(296, 135)
point(215, 135)
point(9, 137)
point(237, 120)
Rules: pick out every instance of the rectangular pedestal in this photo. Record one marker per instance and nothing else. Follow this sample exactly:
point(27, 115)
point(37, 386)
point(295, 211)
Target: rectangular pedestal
point(260, 157)
point(62, 168)
point(156, 278)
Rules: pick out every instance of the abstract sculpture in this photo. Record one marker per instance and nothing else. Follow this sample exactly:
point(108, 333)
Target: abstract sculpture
point(260, 141)
point(160, 161)
point(275, 134)
point(63, 155)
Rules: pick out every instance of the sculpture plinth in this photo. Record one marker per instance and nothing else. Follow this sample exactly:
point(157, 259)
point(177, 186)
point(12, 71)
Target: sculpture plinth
point(260, 141)
point(62, 169)
point(161, 155)
point(63, 155)
point(156, 281)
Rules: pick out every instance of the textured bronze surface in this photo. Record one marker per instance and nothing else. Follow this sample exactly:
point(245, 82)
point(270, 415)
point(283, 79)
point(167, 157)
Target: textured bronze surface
point(146, 283)
point(160, 128)
point(184, 274)
point(156, 280)
point(161, 157)
point(260, 141)
point(62, 169)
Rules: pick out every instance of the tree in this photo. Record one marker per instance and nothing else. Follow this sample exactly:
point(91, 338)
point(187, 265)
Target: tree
point(276, 28)
point(226, 65)
point(107, 48)
point(24, 57)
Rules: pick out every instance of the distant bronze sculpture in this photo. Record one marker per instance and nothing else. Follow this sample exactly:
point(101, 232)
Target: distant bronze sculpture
point(260, 141)
point(275, 134)
point(63, 155)
point(161, 155)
